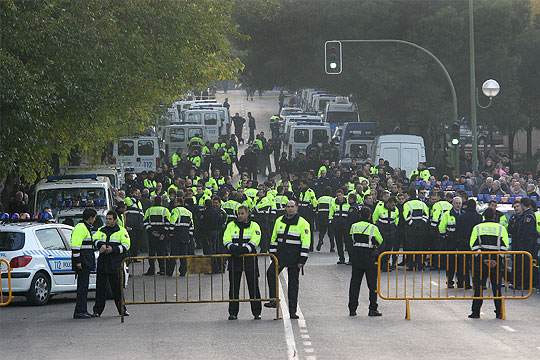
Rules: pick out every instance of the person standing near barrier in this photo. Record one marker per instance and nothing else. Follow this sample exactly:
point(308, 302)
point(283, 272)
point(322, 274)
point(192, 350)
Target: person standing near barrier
point(488, 236)
point(307, 203)
point(261, 214)
point(464, 226)
point(447, 229)
point(337, 217)
point(134, 221)
point(83, 260)
point(366, 237)
point(181, 224)
point(211, 223)
point(112, 241)
point(524, 240)
point(386, 217)
point(290, 243)
point(156, 222)
point(241, 237)
point(416, 215)
point(437, 211)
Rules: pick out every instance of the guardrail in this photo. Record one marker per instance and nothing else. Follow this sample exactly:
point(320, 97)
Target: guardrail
point(9, 294)
point(179, 289)
point(513, 272)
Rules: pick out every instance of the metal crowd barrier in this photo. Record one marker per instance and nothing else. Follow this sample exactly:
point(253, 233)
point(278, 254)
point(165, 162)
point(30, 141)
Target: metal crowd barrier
point(8, 275)
point(430, 282)
point(162, 289)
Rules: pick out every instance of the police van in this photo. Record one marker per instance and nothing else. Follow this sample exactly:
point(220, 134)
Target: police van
point(100, 170)
point(338, 113)
point(72, 191)
point(300, 135)
point(299, 117)
point(319, 101)
point(402, 151)
point(214, 120)
point(177, 137)
point(137, 154)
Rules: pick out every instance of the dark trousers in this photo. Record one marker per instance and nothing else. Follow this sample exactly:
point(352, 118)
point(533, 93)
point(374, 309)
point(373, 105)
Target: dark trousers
point(235, 277)
point(450, 262)
point(354, 288)
point(324, 227)
point(480, 282)
point(387, 244)
point(293, 275)
point(238, 134)
point(210, 245)
point(83, 280)
point(521, 269)
point(341, 237)
point(463, 270)
point(399, 239)
point(101, 290)
point(416, 242)
point(135, 238)
point(156, 247)
point(251, 135)
point(177, 248)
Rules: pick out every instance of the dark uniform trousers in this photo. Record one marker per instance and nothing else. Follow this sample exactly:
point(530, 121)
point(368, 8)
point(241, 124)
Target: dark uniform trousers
point(235, 278)
point(343, 240)
point(83, 280)
point(101, 289)
point(135, 238)
point(358, 272)
point(177, 248)
point(450, 244)
point(480, 281)
point(463, 270)
point(210, 246)
point(416, 239)
point(293, 277)
point(387, 244)
point(156, 247)
point(325, 227)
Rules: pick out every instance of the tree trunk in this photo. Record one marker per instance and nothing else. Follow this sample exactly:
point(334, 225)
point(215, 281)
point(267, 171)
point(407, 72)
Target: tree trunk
point(511, 135)
point(8, 191)
point(529, 140)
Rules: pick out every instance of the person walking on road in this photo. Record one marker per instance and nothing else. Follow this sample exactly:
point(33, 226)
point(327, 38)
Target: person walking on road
point(252, 127)
point(290, 243)
point(241, 237)
point(238, 122)
point(363, 256)
point(83, 260)
point(112, 241)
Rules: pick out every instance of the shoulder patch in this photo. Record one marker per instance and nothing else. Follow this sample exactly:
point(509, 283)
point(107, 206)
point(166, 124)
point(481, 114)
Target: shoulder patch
point(307, 231)
point(257, 232)
point(528, 219)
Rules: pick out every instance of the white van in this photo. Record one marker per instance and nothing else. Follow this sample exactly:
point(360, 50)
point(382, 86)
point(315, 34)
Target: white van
point(337, 114)
point(302, 134)
point(225, 120)
point(300, 117)
point(73, 191)
point(137, 154)
point(320, 100)
point(209, 117)
point(99, 170)
point(177, 137)
point(402, 151)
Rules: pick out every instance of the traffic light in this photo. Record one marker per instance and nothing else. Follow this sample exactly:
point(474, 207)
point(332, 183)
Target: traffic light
point(332, 57)
point(454, 140)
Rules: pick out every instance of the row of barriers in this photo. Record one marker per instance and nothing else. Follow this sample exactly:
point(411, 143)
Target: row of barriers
point(424, 276)
point(191, 279)
point(5, 299)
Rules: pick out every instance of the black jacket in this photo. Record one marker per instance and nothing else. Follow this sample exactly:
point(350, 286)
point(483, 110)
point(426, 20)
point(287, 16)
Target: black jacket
point(464, 226)
point(109, 263)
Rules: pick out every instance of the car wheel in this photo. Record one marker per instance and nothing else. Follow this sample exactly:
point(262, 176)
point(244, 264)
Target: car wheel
point(40, 290)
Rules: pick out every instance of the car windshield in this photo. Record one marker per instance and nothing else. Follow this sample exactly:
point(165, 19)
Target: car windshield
point(75, 219)
point(334, 117)
point(358, 151)
point(286, 112)
point(52, 197)
point(11, 241)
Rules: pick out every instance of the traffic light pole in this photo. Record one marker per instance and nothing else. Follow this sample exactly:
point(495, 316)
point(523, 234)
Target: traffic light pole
point(446, 74)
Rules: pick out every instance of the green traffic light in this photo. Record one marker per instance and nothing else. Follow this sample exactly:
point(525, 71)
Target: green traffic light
point(333, 65)
point(455, 142)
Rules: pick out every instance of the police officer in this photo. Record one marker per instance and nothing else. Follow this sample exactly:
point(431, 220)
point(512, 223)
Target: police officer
point(83, 260)
point(416, 214)
point(499, 216)
point(363, 254)
point(447, 229)
point(230, 205)
point(112, 241)
point(337, 218)
point(181, 225)
point(323, 211)
point(524, 240)
point(241, 237)
point(290, 243)
point(436, 213)
point(487, 236)
point(261, 214)
point(134, 221)
point(156, 222)
point(386, 217)
point(280, 201)
point(464, 226)
point(307, 202)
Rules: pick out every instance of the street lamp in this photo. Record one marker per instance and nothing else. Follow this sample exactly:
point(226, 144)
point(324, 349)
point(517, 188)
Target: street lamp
point(490, 88)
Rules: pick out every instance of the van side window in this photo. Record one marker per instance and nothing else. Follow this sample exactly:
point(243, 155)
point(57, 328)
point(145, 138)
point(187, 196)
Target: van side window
point(195, 132)
point(301, 136)
point(145, 147)
point(210, 119)
point(177, 135)
point(126, 148)
point(194, 118)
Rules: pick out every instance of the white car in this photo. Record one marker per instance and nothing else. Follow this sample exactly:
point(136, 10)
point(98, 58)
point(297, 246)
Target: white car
point(39, 254)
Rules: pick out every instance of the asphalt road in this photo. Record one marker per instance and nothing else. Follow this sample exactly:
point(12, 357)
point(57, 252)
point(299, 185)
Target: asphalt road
point(438, 329)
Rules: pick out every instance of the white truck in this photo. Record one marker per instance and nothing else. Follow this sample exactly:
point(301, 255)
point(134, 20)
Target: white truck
point(401, 151)
point(177, 137)
point(302, 134)
point(137, 154)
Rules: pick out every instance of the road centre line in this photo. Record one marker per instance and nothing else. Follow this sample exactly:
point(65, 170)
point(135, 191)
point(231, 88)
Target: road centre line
point(507, 328)
point(292, 353)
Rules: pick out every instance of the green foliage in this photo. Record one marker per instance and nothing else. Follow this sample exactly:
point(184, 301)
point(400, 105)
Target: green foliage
point(83, 73)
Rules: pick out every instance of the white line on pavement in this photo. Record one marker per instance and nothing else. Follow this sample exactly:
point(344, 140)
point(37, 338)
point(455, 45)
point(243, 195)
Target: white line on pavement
point(289, 335)
point(307, 343)
point(538, 347)
point(305, 336)
point(303, 330)
point(434, 283)
point(311, 358)
point(309, 350)
point(507, 328)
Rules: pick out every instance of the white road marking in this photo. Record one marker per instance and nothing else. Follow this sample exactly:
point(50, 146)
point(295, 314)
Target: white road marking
point(303, 330)
point(538, 347)
point(434, 283)
point(307, 343)
point(311, 358)
point(507, 328)
point(305, 336)
point(289, 335)
point(308, 350)
point(301, 323)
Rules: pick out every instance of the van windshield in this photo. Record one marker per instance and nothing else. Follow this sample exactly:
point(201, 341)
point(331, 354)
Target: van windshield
point(145, 147)
point(75, 219)
point(126, 148)
point(335, 117)
point(210, 119)
point(177, 135)
point(358, 151)
point(301, 136)
point(52, 197)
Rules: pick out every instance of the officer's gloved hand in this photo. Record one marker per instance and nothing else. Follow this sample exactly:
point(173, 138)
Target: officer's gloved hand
point(243, 250)
point(235, 250)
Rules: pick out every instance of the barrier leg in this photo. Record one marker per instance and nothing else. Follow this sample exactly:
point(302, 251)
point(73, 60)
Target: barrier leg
point(407, 310)
point(503, 310)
